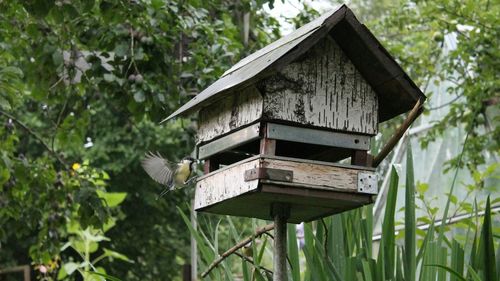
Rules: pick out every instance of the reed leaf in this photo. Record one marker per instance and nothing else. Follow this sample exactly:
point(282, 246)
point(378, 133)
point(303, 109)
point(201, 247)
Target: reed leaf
point(410, 225)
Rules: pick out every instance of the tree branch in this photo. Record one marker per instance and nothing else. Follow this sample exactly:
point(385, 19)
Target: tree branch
point(236, 247)
point(36, 136)
point(252, 262)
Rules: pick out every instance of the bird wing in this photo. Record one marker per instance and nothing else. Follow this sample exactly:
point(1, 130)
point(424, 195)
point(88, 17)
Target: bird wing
point(158, 168)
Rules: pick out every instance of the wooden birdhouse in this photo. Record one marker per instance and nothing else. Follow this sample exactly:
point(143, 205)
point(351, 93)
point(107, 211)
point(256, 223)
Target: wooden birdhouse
point(281, 125)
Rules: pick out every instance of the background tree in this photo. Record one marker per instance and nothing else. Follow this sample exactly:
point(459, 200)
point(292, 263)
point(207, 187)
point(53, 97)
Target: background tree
point(90, 80)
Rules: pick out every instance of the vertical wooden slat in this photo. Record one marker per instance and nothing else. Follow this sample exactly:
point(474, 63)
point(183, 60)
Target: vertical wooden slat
point(210, 165)
point(267, 146)
point(361, 158)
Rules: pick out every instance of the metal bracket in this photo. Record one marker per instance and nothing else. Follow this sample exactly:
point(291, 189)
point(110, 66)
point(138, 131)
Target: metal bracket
point(269, 174)
point(367, 183)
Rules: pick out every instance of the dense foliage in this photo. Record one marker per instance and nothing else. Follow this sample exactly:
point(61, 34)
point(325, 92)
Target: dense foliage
point(83, 85)
point(415, 33)
point(341, 247)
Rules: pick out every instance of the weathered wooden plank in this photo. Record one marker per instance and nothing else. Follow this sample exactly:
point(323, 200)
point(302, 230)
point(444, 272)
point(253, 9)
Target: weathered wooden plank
point(224, 184)
point(319, 137)
point(227, 142)
point(315, 174)
point(270, 174)
point(317, 189)
point(324, 89)
point(228, 114)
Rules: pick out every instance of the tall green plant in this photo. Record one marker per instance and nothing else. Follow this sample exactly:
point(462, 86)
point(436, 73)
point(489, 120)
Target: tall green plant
point(339, 247)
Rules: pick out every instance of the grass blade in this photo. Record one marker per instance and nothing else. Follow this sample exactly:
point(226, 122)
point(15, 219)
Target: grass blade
point(410, 225)
point(457, 259)
point(293, 252)
point(486, 249)
point(388, 243)
point(453, 273)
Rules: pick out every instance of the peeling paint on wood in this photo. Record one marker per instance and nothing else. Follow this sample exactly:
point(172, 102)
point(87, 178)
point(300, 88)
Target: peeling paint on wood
point(228, 184)
point(224, 184)
point(324, 89)
point(229, 113)
point(315, 174)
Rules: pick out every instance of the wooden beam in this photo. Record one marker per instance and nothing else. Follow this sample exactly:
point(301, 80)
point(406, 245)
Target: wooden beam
point(414, 113)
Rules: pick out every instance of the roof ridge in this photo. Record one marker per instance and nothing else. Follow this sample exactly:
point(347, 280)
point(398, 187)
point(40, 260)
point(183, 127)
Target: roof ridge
point(294, 35)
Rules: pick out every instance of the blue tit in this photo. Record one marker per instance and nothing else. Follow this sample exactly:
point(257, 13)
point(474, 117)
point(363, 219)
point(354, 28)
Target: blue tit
point(171, 175)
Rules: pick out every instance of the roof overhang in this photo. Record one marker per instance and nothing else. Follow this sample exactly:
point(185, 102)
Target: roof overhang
point(396, 91)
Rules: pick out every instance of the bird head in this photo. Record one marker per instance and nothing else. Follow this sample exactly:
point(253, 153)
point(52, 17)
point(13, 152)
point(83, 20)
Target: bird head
point(189, 160)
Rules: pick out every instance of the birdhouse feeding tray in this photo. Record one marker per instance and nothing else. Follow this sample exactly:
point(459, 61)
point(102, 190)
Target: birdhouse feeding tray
point(312, 189)
point(291, 124)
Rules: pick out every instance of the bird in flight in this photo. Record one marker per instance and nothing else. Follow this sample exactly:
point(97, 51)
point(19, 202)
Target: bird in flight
point(169, 174)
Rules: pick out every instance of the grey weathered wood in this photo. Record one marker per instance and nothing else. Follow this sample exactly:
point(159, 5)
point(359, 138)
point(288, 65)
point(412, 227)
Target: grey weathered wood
point(224, 184)
point(316, 188)
point(245, 72)
point(316, 174)
point(270, 174)
point(319, 137)
point(322, 89)
point(396, 90)
point(227, 142)
point(228, 114)
point(280, 213)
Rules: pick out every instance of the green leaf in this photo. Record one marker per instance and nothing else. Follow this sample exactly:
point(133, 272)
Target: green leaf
point(62, 273)
point(410, 225)
point(293, 252)
point(11, 71)
point(450, 270)
point(486, 249)
point(139, 96)
point(112, 278)
point(109, 77)
point(474, 274)
point(112, 199)
point(121, 50)
point(207, 255)
point(388, 243)
point(116, 255)
point(457, 259)
point(70, 267)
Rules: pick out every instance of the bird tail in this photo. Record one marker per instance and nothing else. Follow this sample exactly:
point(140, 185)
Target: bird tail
point(165, 191)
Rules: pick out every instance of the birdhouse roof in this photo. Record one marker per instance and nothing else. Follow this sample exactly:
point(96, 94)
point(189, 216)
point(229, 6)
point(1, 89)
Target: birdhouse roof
point(397, 93)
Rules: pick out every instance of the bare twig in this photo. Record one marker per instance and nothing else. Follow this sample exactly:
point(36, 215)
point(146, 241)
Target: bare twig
point(58, 122)
point(57, 82)
point(325, 244)
point(36, 136)
point(269, 234)
point(236, 247)
point(252, 262)
point(446, 104)
point(414, 113)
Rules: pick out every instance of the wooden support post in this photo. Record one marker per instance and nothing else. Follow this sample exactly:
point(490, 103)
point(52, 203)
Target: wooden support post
point(391, 143)
point(361, 158)
point(280, 213)
point(210, 165)
point(267, 146)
